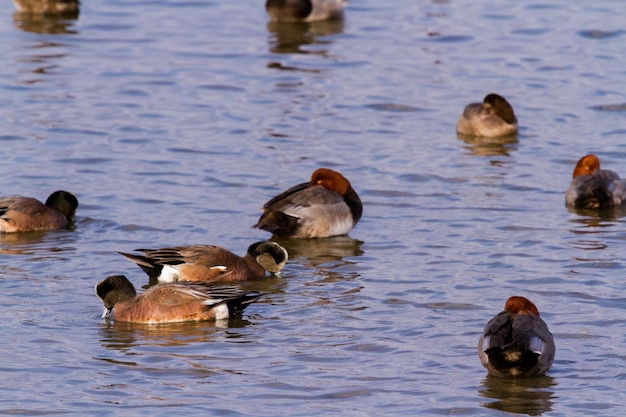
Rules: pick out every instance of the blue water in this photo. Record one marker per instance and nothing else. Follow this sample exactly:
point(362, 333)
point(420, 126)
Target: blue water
point(174, 122)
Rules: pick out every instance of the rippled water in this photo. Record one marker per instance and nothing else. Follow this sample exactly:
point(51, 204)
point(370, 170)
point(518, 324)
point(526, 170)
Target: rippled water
point(174, 122)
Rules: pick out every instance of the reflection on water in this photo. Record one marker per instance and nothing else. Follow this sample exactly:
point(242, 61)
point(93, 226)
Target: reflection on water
point(46, 243)
point(322, 251)
point(597, 217)
point(290, 37)
point(44, 24)
point(532, 396)
point(450, 221)
point(480, 146)
point(331, 259)
point(122, 336)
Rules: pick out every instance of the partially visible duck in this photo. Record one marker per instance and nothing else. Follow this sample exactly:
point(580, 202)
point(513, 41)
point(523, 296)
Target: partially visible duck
point(516, 342)
point(493, 117)
point(47, 7)
point(594, 188)
point(170, 303)
point(304, 10)
point(209, 263)
point(323, 207)
point(25, 214)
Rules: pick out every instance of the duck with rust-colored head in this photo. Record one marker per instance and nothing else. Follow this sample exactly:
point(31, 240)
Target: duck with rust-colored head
point(516, 342)
point(210, 263)
point(594, 188)
point(323, 207)
point(304, 10)
point(26, 214)
point(170, 303)
point(494, 117)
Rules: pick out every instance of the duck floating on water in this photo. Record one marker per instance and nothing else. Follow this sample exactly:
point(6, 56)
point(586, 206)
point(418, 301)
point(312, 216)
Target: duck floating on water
point(210, 263)
point(594, 188)
point(170, 303)
point(494, 117)
point(325, 206)
point(26, 214)
point(304, 10)
point(47, 7)
point(516, 342)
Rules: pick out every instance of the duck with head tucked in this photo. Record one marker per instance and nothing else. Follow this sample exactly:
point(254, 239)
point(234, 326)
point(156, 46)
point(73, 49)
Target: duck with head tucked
point(26, 214)
point(325, 206)
point(210, 263)
point(516, 342)
point(304, 10)
point(594, 188)
point(494, 117)
point(170, 303)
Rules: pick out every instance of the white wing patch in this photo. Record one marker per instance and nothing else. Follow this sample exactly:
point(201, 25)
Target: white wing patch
point(536, 345)
point(221, 312)
point(169, 273)
point(485, 344)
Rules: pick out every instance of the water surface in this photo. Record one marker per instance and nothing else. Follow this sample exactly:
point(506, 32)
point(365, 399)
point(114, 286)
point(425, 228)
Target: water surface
point(174, 122)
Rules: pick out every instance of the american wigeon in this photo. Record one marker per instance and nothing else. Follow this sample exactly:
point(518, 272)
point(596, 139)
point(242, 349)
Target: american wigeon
point(47, 7)
point(209, 263)
point(170, 303)
point(304, 10)
point(24, 214)
point(516, 342)
point(594, 188)
point(493, 117)
point(323, 207)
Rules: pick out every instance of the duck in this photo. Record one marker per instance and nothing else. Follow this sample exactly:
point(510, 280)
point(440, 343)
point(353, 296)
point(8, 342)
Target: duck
point(594, 188)
point(210, 263)
point(47, 7)
point(171, 302)
point(304, 10)
point(26, 214)
point(516, 342)
point(494, 117)
point(325, 206)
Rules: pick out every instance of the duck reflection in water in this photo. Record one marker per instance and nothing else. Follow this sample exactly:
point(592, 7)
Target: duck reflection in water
point(530, 396)
point(484, 146)
point(318, 252)
point(290, 37)
point(122, 335)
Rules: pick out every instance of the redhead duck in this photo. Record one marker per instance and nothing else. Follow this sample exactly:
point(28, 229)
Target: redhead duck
point(25, 214)
point(594, 188)
point(170, 303)
point(493, 117)
point(323, 207)
point(47, 7)
point(516, 342)
point(304, 10)
point(209, 263)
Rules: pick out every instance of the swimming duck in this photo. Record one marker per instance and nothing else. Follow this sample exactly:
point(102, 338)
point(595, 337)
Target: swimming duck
point(47, 7)
point(209, 263)
point(516, 342)
point(304, 10)
point(492, 118)
point(594, 188)
point(170, 303)
point(25, 214)
point(325, 206)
